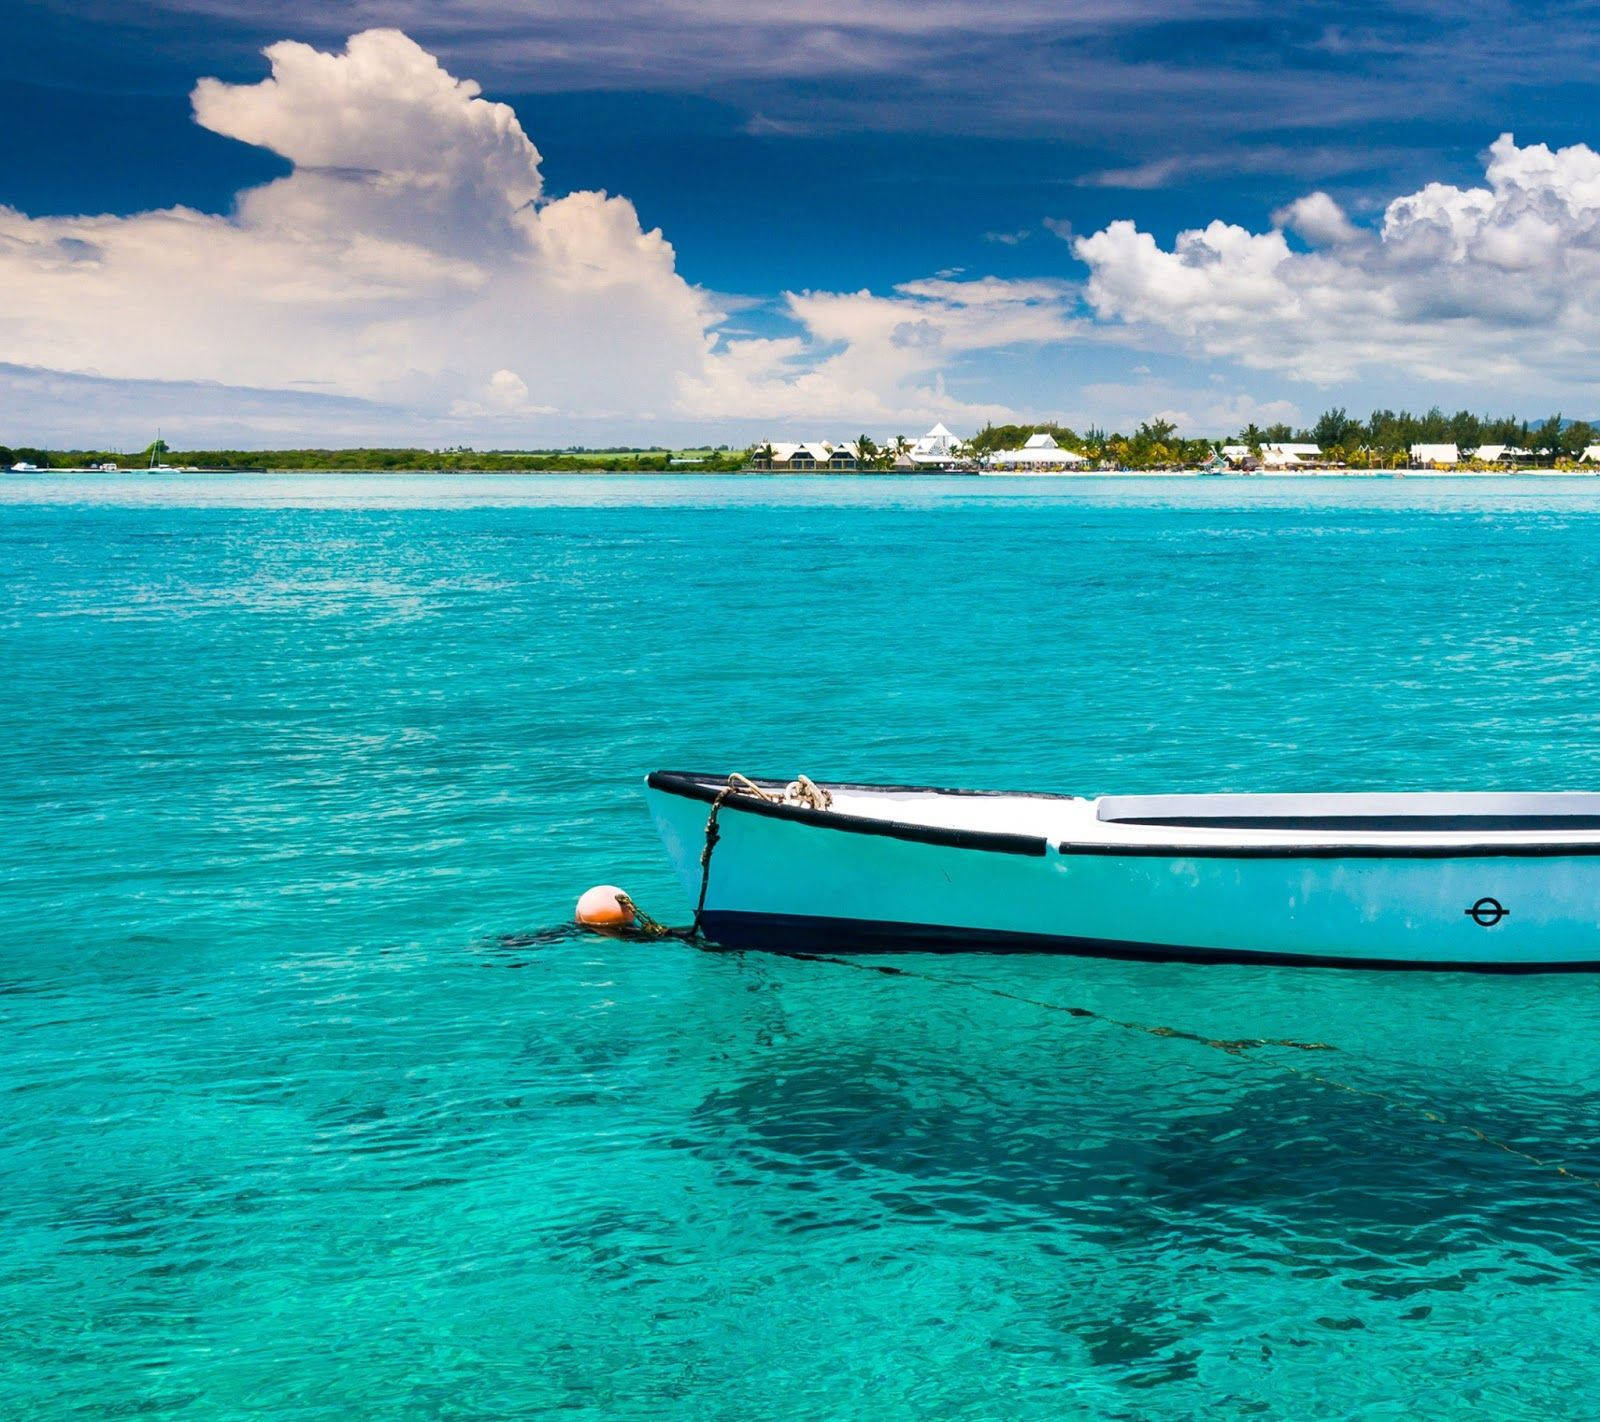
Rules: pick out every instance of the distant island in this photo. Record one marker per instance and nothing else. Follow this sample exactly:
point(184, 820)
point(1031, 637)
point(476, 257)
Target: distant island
point(1386, 439)
point(718, 459)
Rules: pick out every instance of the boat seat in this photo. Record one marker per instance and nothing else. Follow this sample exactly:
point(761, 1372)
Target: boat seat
point(1417, 812)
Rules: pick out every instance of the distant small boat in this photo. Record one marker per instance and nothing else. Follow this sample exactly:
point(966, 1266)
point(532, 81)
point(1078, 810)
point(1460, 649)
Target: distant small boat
point(1496, 882)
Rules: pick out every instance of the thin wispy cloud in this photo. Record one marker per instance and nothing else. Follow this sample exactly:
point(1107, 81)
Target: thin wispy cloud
point(1240, 67)
point(1307, 163)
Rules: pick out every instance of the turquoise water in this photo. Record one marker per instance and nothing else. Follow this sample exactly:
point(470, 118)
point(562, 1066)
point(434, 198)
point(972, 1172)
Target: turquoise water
point(304, 1119)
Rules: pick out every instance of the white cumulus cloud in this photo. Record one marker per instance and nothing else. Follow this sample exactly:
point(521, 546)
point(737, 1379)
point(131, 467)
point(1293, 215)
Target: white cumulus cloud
point(406, 259)
point(1496, 287)
point(885, 358)
point(411, 260)
point(1319, 219)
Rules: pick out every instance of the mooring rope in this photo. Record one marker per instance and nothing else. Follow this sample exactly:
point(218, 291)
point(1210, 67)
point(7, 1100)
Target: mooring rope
point(713, 834)
point(802, 791)
point(644, 924)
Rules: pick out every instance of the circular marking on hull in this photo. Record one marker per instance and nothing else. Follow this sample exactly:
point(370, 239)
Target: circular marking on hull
point(1487, 912)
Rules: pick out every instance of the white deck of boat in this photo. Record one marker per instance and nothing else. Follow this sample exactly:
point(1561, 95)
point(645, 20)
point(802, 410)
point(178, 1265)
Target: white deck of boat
point(1445, 818)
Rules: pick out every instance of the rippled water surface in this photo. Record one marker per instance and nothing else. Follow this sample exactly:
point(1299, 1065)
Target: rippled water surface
point(304, 1119)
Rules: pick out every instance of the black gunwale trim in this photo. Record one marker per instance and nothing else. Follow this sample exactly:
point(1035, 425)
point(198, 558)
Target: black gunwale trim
point(801, 933)
point(704, 788)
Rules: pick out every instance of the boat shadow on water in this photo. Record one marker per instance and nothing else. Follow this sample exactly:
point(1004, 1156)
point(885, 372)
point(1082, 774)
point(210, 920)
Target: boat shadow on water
point(1442, 1135)
point(1276, 1158)
point(1152, 1204)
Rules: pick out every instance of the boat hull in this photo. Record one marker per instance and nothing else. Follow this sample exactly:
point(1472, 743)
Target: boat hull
point(791, 879)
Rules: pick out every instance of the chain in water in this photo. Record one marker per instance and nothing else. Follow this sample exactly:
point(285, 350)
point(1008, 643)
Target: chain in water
point(1399, 1103)
point(1233, 1047)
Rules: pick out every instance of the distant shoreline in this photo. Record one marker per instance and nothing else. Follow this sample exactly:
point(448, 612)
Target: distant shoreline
point(606, 471)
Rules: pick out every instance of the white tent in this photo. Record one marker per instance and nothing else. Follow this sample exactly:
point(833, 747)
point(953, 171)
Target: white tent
point(1426, 454)
point(1286, 456)
point(1490, 453)
point(1590, 455)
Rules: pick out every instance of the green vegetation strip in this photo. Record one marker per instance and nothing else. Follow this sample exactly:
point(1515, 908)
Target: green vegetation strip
point(390, 460)
point(1382, 441)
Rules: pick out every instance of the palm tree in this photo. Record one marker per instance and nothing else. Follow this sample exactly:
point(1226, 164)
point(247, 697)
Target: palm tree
point(866, 452)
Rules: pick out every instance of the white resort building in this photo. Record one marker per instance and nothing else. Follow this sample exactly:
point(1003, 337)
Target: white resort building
point(1590, 455)
point(1501, 454)
point(1435, 456)
point(1041, 454)
point(801, 456)
point(938, 449)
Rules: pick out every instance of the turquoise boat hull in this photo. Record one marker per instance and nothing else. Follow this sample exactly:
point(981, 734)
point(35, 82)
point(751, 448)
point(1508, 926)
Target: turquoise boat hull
point(790, 878)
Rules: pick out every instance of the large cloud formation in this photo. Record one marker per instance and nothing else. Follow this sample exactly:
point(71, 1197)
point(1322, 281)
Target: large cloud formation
point(407, 259)
point(1494, 287)
point(411, 259)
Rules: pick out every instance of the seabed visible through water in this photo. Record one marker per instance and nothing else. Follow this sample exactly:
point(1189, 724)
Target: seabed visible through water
point(310, 1116)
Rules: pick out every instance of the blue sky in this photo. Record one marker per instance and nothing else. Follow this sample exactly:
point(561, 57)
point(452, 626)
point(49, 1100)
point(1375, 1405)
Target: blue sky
point(870, 216)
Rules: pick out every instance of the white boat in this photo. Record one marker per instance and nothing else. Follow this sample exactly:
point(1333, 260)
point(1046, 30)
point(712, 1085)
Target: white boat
point(1501, 882)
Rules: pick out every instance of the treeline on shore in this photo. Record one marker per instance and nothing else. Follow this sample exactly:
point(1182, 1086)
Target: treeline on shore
point(1153, 444)
point(1384, 438)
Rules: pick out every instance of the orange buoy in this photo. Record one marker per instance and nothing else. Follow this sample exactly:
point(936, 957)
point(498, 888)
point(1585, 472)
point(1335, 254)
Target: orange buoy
point(605, 907)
